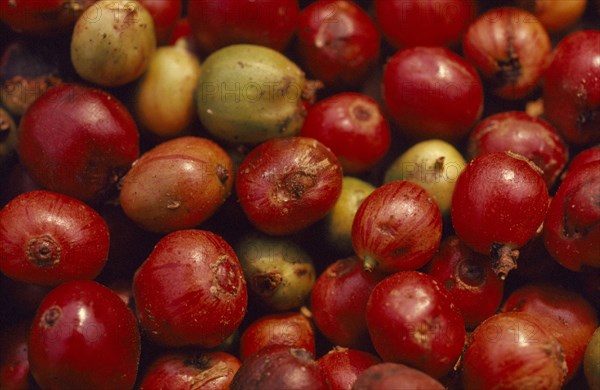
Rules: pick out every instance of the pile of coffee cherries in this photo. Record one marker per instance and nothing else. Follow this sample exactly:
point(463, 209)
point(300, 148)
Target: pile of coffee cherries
point(290, 194)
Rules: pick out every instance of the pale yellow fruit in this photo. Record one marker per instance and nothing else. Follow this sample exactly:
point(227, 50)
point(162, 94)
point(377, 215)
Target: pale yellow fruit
point(112, 42)
point(165, 95)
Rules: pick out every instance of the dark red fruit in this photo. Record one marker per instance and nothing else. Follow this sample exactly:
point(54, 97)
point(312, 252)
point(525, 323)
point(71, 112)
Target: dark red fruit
point(165, 14)
point(338, 42)
point(264, 22)
point(78, 141)
point(280, 367)
point(431, 92)
point(572, 226)
point(398, 227)
point(468, 277)
point(564, 313)
point(342, 366)
point(511, 50)
point(83, 336)
point(14, 364)
point(190, 290)
point(408, 23)
point(292, 329)
point(353, 126)
point(48, 238)
point(191, 370)
point(285, 185)
point(572, 88)
point(395, 376)
point(513, 351)
point(338, 301)
point(499, 202)
point(515, 131)
point(412, 320)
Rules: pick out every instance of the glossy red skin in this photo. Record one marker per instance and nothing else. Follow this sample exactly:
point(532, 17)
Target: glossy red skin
point(165, 14)
point(42, 17)
point(286, 185)
point(582, 158)
point(469, 279)
point(389, 375)
point(439, 23)
point(338, 301)
point(83, 336)
point(216, 24)
point(564, 313)
point(14, 365)
point(190, 290)
point(342, 366)
point(48, 238)
point(291, 329)
point(498, 199)
point(78, 141)
point(520, 133)
point(502, 35)
point(280, 367)
point(353, 126)
point(572, 88)
point(572, 226)
point(338, 42)
point(431, 92)
point(512, 351)
point(398, 227)
point(188, 370)
point(412, 320)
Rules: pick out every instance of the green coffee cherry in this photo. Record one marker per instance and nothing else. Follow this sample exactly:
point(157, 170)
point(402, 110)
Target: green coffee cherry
point(250, 93)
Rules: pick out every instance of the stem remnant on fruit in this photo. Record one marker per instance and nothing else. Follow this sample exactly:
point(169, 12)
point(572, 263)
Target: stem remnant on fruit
point(504, 259)
point(369, 264)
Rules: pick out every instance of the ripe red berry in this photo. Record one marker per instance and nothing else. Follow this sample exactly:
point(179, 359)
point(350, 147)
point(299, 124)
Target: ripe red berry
point(499, 202)
point(83, 336)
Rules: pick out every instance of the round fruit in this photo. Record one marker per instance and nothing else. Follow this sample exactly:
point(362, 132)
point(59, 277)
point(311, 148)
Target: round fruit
point(572, 229)
point(338, 42)
point(190, 290)
point(178, 184)
point(408, 23)
point(513, 351)
point(280, 367)
point(112, 42)
point(397, 227)
point(572, 88)
point(78, 141)
point(338, 301)
point(292, 329)
point(515, 131)
point(499, 202)
point(433, 164)
point(83, 336)
point(353, 126)
point(216, 24)
point(190, 370)
point(250, 93)
point(511, 50)
point(591, 361)
point(469, 279)
point(556, 16)
point(395, 376)
point(164, 101)
point(564, 313)
point(431, 92)
point(412, 320)
point(48, 238)
point(342, 366)
point(286, 185)
point(279, 272)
